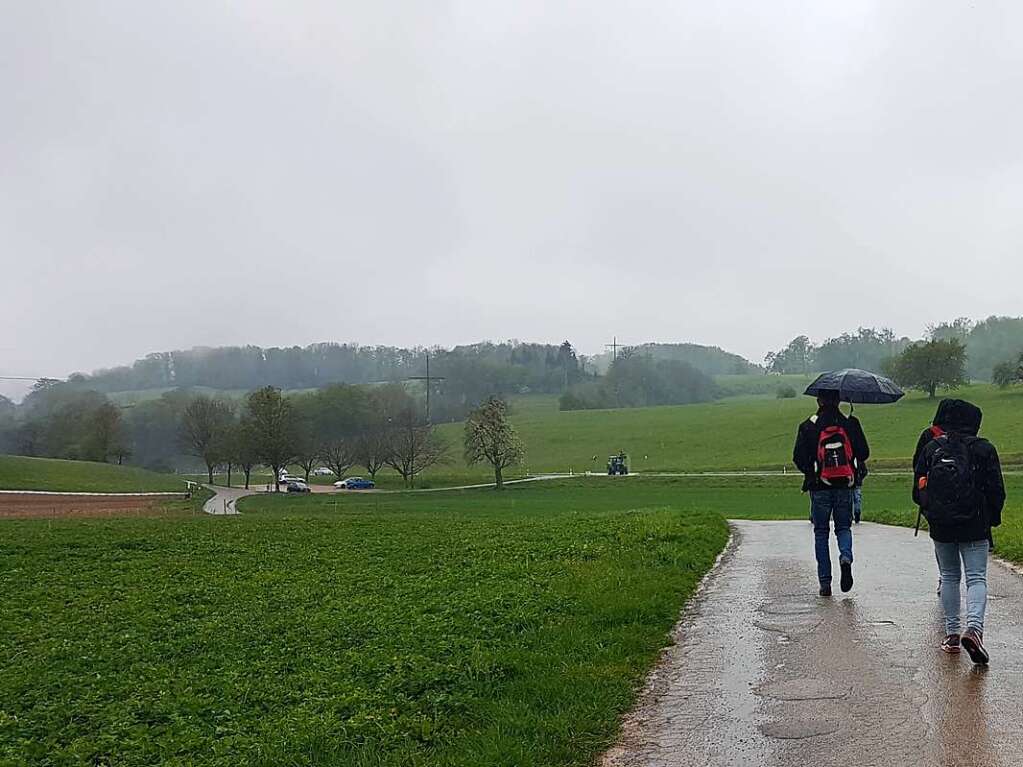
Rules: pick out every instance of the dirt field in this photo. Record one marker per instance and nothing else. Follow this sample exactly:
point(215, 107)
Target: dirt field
point(17, 506)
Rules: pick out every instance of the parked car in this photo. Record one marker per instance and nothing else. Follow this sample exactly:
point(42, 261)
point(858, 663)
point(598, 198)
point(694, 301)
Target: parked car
point(355, 483)
point(323, 471)
point(298, 487)
point(287, 478)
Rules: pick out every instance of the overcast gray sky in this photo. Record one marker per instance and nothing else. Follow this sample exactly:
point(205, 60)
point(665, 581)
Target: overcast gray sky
point(205, 173)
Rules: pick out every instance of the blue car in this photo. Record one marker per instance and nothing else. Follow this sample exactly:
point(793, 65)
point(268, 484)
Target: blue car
point(355, 483)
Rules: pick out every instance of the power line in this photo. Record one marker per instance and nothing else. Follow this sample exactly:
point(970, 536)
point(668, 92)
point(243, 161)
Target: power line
point(429, 379)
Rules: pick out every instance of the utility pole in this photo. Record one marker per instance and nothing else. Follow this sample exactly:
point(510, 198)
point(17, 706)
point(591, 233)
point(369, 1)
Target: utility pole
point(613, 346)
point(429, 381)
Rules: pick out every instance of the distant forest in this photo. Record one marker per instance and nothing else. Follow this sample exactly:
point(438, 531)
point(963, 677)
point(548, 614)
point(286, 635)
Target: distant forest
point(988, 343)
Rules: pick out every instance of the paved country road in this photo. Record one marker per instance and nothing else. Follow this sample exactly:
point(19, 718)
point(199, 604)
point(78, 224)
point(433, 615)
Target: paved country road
point(765, 672)
point(224, 499)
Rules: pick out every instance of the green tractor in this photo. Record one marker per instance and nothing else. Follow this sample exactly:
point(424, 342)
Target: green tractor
point(618, 465)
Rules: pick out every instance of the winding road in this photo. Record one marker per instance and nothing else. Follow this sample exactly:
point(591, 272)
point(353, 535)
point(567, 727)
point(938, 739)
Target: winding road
point(765, 672)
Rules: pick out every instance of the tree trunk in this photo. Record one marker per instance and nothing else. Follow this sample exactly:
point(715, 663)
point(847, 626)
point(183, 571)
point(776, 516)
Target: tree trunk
point(229, 467)
point(247, 472)
point(498, 477)
point(209, 470)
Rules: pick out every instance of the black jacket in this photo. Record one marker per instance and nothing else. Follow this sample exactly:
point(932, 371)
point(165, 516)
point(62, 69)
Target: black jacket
point(964, 418)
point(804, 454)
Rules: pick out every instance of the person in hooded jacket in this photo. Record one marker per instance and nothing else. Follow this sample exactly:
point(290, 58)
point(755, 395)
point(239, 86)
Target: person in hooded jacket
point(961, 545)
point(826, 500)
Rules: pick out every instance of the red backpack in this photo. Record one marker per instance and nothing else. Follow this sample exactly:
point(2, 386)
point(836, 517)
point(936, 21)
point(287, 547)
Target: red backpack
point(835, 457)
point(936, 431)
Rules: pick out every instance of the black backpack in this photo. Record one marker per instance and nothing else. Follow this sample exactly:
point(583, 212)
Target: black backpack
point(952, 495)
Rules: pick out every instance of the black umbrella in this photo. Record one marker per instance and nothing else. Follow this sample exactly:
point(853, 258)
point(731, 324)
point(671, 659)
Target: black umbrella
point(858, 386)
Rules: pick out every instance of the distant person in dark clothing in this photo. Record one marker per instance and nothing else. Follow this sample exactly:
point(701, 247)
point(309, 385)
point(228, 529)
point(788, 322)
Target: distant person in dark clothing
point(830, 449)
point(861, 474)
point(958, 484)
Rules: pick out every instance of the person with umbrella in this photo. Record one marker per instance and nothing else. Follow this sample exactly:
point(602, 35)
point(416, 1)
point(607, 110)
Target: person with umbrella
point(831, 450)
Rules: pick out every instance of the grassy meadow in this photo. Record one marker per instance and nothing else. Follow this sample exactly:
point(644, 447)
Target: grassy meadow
point(21, 473)
point(440, 629)
point(450, 628)
point(750, 432)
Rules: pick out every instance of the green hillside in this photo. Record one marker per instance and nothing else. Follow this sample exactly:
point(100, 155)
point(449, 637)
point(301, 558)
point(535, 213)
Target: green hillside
point(20, 473)
point(735, 433)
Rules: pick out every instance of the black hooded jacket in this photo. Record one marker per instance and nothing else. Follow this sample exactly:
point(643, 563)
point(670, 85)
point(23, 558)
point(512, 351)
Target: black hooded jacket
point(804, 454)
point(964, 418)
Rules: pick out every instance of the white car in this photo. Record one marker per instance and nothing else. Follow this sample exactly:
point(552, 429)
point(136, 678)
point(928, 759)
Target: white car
point(323, 471)
point(286, 478)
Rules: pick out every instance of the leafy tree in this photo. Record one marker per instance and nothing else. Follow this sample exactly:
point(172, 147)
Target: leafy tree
point(340, 411)
point(106, 434)
point(1008, 373)
point(490, 437)
point(413, 447)
point(273, 431)
point(242, 449)
point(959, 328)
point(991, 341)
point(797, 357)
point(205, 423)
point(929, 365)
point(306, 417)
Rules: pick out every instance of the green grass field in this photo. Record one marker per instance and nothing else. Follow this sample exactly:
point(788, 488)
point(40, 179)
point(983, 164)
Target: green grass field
point(733, 434)
point(451, 628)
point(459, 629)
point(20, 473)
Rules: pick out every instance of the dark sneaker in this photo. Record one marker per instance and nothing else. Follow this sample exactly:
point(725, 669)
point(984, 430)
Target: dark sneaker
point(857, 519)
point(973, 642)
point(951, 644)
point(825, 590)
point(847, 579)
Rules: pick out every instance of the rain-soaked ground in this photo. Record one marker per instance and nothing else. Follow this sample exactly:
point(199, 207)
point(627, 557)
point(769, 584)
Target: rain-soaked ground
point(765, 672)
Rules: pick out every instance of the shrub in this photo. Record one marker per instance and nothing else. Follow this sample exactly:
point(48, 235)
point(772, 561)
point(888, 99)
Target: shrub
point(786, 392)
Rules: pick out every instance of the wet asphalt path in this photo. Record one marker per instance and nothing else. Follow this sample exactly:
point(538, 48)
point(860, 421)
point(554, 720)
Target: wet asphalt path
point(765, 672)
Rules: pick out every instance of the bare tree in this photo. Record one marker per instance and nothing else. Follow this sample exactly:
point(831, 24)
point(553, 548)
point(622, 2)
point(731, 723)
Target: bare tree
point(339, 454)
point(490, 437)
point(205, 423)
point(372, 448)
point(413, 447)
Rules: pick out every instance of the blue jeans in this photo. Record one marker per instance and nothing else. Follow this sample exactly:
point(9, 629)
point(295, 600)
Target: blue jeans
point(973, 557)
point(825, 504)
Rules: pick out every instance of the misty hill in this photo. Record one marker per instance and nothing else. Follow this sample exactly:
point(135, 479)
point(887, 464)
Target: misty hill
point(711, 360)
point(511, 366)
